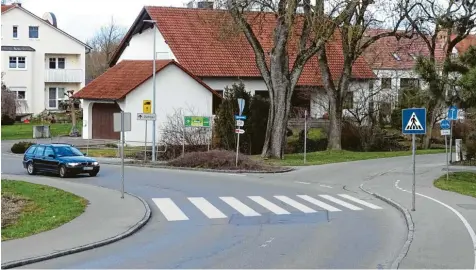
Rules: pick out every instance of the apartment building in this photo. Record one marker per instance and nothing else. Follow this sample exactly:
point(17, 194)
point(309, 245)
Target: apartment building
point(40, 62)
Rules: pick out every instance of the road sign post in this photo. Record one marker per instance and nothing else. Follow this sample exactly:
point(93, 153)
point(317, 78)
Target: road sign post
point(445, 129)
point(241, 106)
point(197, 122)
point(146, 116)
point(413, 123)
point(122, 123)
point(452, 116)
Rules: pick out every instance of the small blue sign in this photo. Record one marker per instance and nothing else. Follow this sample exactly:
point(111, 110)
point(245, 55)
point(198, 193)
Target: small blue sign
point(453, 113)
point(414, 121)
point(445, 124)
point(240, 117)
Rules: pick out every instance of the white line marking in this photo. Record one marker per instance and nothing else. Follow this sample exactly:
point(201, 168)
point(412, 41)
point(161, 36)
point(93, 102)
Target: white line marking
point(304, 183)
point(269, 205)
point(470, 230)
point(335, 200)
point(295, 204)
point(207, 208)
point(319, 203)
point(267, 242)
point(169, 209)
point(240, 207)
point(369, 205)
point(325, 186)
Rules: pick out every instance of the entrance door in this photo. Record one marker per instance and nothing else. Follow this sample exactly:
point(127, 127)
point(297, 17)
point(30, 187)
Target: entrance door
point(103, 121)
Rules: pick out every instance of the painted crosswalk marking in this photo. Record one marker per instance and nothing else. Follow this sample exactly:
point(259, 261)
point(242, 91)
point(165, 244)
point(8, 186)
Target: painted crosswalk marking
point(323, 205)
point(169, 209)
point(269, 205)
point(295, 204)
point(207, 208)
point(240, 207)
point(369, 205)
point(341, 202)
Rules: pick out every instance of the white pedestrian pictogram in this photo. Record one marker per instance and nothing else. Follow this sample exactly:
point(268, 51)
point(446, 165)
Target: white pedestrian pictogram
point(414, 123)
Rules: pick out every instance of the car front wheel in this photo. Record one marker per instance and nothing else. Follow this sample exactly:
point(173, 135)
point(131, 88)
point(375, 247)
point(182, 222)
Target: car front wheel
point(62, 171)
point(30, 168)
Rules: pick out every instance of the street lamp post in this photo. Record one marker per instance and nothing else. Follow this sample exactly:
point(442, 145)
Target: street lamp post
point(153, 88)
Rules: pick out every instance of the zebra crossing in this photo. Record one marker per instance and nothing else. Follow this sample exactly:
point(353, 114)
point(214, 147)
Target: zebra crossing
point(250, 206)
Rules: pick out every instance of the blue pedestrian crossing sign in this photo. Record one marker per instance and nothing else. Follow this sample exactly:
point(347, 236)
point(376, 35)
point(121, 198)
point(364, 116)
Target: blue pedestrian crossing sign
point(445, 124)
point(453, 113)
point(414, 121)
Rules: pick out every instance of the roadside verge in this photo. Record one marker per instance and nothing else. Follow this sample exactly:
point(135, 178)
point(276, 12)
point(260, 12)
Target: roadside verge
point(107, 219)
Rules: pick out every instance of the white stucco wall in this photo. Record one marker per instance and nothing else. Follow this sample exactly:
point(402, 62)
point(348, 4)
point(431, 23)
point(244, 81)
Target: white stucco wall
point(49, 42)
point(140, 47)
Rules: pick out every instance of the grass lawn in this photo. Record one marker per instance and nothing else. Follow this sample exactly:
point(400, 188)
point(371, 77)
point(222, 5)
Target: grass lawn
point(29, 209)
point(460, 182)
point(326, 157)
point(25, 131)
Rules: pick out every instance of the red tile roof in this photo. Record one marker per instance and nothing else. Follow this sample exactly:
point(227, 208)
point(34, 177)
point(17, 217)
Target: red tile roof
point(198, 41)
point(121, 79)
point(464, 45)
point(7, 7)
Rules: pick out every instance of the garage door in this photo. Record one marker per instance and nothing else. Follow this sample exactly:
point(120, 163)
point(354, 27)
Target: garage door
point(103, 121)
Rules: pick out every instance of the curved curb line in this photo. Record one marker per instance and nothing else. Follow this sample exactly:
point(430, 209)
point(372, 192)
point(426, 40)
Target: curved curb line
point(408, 221)
point(97, 244)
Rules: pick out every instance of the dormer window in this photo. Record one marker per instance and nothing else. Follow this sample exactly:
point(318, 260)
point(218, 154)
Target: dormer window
point(395, 55)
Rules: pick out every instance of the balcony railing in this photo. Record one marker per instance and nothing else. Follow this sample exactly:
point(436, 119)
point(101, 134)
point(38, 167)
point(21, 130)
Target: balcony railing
point(64, 75)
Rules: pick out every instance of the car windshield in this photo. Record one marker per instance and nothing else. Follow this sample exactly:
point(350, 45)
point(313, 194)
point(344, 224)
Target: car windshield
point(66, 151)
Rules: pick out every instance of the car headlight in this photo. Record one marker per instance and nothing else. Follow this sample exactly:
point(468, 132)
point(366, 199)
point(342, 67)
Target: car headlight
point(73, 164)
point(95, 163)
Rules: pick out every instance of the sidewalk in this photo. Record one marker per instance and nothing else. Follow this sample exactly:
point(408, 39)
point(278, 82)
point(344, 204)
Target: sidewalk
point(440, 238)
point(107, 219)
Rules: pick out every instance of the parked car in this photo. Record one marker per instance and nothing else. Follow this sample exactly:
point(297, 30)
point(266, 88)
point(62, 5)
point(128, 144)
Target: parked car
point(63, 159)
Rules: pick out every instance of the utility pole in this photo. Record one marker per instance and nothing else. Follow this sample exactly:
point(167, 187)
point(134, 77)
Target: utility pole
point(153, 87)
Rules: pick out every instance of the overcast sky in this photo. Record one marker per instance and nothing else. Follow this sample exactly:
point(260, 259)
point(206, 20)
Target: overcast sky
point(81, 18)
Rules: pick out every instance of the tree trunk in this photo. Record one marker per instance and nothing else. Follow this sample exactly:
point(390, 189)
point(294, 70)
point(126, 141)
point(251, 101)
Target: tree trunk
point(429, 128)
point(335, 123)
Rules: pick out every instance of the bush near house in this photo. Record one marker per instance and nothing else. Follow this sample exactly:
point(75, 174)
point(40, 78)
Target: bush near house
point(21, 147)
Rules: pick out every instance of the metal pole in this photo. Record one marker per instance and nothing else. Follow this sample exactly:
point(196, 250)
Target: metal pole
point(153, 98)
point(145, 143)
point(122, 152)
point(305, 134)
point(446, 150)
point(413, 158)
point(183, 142)
point(237, 149)
point(451, 140)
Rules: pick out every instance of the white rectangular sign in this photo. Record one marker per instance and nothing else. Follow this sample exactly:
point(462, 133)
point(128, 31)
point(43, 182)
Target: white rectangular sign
point(146, 116)
point(118, 122)
point(445, 132)
point(240, 123)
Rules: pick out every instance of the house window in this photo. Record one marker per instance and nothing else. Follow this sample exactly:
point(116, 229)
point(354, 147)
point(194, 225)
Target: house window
point(55, 95)
point(386, 83)
point(349, 101)
point(15, 31)
point(57, 63)
point(33, 32)
point(20, 92)
point(17, 62)
point(406, 83)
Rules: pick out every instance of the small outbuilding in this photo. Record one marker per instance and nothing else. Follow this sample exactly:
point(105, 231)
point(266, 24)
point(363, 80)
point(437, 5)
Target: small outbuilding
point(128, 84)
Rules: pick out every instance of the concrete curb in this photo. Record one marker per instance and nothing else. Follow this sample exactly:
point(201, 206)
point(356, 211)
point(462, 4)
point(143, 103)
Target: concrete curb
point(408, 221)
point(97, 244)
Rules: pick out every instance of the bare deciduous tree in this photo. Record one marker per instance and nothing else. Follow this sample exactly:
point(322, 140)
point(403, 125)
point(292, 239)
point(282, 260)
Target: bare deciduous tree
point(300, 31)
point(104, 43)
point(9, 102)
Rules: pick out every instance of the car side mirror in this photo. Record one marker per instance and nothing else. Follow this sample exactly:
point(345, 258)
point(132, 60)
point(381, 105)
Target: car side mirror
point(51, 155)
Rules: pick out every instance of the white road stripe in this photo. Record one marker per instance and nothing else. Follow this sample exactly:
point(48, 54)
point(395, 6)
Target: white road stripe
point(295, 204)
point(369, 205)
point(169, 209)
point(319, 203)
point(206, 207)
point(269, 205)
point(341, 202)
point(240, 207)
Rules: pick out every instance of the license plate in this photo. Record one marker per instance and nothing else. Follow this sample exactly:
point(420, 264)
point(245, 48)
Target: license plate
point(88, 168)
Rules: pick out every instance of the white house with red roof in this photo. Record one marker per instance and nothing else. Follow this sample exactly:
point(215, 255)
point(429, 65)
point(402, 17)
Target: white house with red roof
point(39, 61)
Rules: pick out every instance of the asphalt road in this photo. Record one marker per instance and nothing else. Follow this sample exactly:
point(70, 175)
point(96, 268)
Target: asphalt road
point(198, 221)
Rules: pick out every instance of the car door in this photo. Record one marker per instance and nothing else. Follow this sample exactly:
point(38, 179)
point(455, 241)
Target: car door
point(50, 162)
point(38, 158)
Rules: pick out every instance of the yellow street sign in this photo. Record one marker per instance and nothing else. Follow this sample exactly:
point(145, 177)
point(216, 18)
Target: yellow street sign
point(147, 106)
